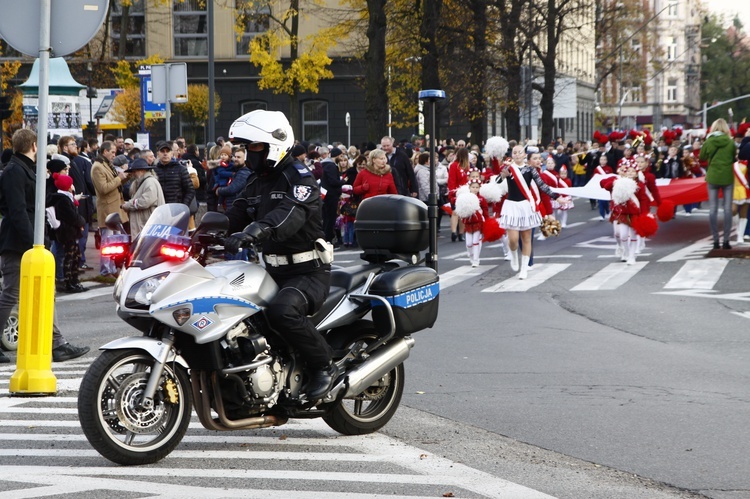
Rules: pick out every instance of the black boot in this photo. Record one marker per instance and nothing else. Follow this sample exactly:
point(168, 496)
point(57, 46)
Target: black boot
point(460, 237)
point(454, 236)
point(3, 358)
point(321, 381)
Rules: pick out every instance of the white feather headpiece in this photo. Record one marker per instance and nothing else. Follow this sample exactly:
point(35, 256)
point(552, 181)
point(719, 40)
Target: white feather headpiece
point(496, 147)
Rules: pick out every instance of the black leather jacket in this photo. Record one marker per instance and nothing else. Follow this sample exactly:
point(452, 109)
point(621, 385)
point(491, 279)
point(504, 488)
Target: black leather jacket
point(286, 202)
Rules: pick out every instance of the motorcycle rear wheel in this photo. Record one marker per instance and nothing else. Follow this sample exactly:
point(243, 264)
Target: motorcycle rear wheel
point(111, 416)
point(370, 410)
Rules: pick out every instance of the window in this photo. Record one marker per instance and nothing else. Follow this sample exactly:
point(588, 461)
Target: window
point(635, 44)
point(246, 107)
point(635, 94)
point(190, 28)
point(672, 49)
point(672, 9)
point(672, 90)
point(135, 42)
point(253, 22)
point(315, 121)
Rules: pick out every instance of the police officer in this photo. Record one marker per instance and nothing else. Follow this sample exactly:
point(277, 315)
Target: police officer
point(281, 204)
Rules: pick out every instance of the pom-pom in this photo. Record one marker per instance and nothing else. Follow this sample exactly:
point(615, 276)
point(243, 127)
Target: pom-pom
point(447, 209)
point(466, 204)
point(491, 192)
point(496, 147)
point(644, 225)
point(665, 212)
point(623, 189)
point(464, 189)
point(550, 227)
point(491, 230)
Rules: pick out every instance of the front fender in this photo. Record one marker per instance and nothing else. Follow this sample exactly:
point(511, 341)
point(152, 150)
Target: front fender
point(151, 346)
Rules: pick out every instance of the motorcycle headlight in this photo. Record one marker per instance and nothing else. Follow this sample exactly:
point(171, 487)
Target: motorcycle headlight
point(140, 294)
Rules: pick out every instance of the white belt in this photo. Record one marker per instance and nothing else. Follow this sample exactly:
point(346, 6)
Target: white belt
point(277, 260)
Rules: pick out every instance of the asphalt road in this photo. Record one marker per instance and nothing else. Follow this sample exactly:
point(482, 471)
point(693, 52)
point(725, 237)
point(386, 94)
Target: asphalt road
point(591, 380)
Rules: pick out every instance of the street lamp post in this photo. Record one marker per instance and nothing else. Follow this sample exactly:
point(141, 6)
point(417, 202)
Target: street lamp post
point(432, 199)
point(90, 94)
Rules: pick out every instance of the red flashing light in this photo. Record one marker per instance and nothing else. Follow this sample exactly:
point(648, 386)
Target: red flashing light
point(174, 252)
point(114, 250)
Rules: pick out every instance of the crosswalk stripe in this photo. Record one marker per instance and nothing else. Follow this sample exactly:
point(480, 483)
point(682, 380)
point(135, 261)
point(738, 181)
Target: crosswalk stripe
point(698, 274)
point(461, 274)
point(610, 277)
point(535, 278)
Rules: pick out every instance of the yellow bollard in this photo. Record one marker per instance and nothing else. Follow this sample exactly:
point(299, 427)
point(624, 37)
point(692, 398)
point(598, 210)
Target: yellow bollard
point(33, 374)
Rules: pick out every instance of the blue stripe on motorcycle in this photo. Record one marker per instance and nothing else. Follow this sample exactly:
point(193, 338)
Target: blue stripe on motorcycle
point(208, 304)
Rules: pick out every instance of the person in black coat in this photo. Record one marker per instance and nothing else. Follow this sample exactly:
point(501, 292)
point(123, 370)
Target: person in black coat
point(173, 177)
point(332, 182)
point(401, 169)
point(191, 154)
point(70, 229)
point(17, 205)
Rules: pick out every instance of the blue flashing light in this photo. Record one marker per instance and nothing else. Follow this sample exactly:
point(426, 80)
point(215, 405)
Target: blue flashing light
point(431, 94)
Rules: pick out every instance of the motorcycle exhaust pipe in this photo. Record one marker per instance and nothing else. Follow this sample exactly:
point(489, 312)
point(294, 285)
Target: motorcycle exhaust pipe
point(376, 366)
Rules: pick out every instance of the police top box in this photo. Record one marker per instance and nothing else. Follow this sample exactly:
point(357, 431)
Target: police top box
point(392, 225)
point(412, 293)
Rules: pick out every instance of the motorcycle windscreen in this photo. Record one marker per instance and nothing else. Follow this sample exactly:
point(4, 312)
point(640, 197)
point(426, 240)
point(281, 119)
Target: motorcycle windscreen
point(167, 227)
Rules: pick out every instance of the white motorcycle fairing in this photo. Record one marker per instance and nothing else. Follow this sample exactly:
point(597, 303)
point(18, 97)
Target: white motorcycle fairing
point(210, 301)
point(152, 346)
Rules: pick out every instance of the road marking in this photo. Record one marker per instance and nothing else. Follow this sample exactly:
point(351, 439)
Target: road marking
point(692, 252)
point(706, 293)
point(535, 278)
point(461, 274)
point(698, 274)
point(610, 277)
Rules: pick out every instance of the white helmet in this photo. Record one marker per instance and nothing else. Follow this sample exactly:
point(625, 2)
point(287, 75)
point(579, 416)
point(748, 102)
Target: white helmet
point(267, 127)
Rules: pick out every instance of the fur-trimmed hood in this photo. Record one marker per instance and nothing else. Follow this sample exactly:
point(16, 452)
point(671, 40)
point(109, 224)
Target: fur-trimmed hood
point(371, 169)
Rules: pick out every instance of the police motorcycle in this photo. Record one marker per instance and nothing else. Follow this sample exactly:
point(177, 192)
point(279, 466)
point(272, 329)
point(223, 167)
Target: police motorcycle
point(206, 343)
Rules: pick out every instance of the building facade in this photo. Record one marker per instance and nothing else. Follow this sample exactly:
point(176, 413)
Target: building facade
point(669, 95)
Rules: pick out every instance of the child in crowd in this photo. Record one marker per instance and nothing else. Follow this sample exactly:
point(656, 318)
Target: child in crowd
point(471, 207)
point(561, 208)
point(603, 168)
point(69, 231)
point(629, 202)
point(223, 173)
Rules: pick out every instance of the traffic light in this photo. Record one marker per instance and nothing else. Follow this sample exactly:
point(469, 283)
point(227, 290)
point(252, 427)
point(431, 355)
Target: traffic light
point(5, 110)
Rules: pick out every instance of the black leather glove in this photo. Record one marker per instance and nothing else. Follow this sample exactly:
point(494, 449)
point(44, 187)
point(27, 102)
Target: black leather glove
point(257, 231)
point(237, 241)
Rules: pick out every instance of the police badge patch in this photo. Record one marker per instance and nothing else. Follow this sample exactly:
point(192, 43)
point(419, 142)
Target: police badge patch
point(302, 192)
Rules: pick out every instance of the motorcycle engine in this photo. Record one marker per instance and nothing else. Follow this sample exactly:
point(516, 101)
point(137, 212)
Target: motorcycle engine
point(260, 369)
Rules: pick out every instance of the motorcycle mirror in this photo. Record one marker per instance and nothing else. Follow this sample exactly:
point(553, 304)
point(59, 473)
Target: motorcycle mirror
point(213, 220)
point(114, 222)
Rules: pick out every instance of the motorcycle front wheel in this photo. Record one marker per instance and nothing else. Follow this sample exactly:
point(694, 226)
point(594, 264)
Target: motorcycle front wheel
point(111, 414)
point(370, 410)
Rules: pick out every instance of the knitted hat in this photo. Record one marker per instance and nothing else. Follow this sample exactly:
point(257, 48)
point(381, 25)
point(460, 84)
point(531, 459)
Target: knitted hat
point(120, 160)
point(298, 150)
point(63, 182)
point(335, 152)
point(56, 165)
point(226, 149)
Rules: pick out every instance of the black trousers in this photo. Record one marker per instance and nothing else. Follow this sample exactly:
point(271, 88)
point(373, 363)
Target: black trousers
point(298, 297)
point(330, 213)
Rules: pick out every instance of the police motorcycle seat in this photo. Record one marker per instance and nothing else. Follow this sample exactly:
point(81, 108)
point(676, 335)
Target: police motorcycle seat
point(346, 279)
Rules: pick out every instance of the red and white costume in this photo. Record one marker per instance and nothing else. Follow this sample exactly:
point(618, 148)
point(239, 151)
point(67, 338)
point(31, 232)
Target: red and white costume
point(473, 211)
point(629, 201)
